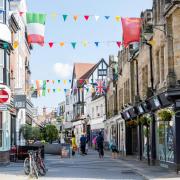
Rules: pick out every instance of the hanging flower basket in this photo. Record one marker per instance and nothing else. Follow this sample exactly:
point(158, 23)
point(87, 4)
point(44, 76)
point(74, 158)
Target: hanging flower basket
point(131, 123)
point(144, 120)
point(165, 114)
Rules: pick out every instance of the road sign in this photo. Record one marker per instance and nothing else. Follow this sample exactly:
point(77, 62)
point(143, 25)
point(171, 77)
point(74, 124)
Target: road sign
point(3, 107)
point(4, 96)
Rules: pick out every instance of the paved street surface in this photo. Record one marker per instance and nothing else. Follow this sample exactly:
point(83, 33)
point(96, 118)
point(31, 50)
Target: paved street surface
point(79, 168)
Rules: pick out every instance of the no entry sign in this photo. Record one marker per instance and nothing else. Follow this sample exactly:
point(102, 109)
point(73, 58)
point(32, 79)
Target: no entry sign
point(4, 96)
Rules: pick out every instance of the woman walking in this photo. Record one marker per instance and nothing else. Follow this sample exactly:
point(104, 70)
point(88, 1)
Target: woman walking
point(74, 145)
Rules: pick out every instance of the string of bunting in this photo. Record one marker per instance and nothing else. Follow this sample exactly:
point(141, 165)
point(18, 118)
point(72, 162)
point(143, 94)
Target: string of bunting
point(74, 44)
point(64, 17)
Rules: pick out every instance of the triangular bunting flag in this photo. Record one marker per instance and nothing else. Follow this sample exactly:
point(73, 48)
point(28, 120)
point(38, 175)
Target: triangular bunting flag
point(69, 80)
point(59, 81)
point(96, 43)
point(65, 90)
point(118, 43)
point(64, 17)
point(21, 13)
point(53, 81)
point(86, 17)
point(51, 44)
point(59, 90)
point(118, 18)
point(15, 44)
point(152, 42)
point(107, 17)
point(73, 44)
point(84, 43)
point(54, 90)
point(61, 44)
point(49, 90)
point(75, 18)
point(53, 15)
point(96, 18)
point(47, 81)
point(5, 45)
point(64, 81)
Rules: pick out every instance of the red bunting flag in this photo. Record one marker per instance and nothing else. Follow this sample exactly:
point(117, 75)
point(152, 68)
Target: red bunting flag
point(131, 30)
point(118, 43)
point(86, 17)
point(21, 13)
point(51, 44)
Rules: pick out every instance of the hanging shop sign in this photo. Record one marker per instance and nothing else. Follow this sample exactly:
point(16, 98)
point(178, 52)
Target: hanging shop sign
point(5, 94)
point(20, 101)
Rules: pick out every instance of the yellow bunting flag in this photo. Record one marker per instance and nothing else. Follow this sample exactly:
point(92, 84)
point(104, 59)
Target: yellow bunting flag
point(65, 81)
point(48, 90)
point(92, 89)
point(118, 18)
point(15, 44)
point(87, 81)
point(152, 42)
point(53, 15)
point(61, 44)
point(53, 81)
point(75, 18)
point(59, 90)
point(84, 43)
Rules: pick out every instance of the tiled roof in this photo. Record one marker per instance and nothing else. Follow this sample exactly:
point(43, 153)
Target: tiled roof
point(82, 68)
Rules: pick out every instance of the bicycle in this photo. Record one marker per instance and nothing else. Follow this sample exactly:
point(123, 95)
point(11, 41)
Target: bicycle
point(30, 167)
point(40, 164)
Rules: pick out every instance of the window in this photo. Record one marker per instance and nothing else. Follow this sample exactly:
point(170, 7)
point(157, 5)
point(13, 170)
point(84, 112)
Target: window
point(162, 64)
point(97, 113)
point(1, 64)
point(1, 12)
point(102, 72)
point(1, 131)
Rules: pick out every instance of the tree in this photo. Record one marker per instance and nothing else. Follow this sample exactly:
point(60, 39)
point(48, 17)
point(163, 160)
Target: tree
point(26, 131)
point(36, 134)
point(51, 133)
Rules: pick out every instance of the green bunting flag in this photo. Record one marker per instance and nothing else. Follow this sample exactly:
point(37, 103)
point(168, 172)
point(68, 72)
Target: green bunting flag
point(73, 44)
point(65, 17)
point(44, 88)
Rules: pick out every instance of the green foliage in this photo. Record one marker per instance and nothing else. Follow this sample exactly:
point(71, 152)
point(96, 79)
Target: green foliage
point(50, 133)
point(29, 132)
point(144, 120)
point(165, 114)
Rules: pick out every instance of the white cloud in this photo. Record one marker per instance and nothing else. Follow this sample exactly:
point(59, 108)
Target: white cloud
point(63, 70)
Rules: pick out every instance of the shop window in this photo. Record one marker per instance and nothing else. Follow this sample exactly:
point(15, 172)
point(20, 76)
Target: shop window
point(165, 133)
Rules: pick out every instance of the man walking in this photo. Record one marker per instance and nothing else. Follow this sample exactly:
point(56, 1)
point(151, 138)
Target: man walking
point(100, 145)
point(83, 144)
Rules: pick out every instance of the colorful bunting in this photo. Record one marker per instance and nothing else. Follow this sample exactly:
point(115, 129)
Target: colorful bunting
point(54, 15)
point(5, 45)
point(75, 18)
point(73, 44)
point(51, 44)
point(118, 43)
point(65, 17)
point(21, 13)
point(69, 81)
point(96, 43)
point(44, 88)
point(59, 81)
point(96, 18)
point(61, 44)
point(15, 44)
point(118, 18)
point(65, 81)
point(107, 17)
point(84, 43)
point(86, 17)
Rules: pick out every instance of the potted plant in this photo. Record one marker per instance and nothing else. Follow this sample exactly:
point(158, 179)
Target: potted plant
point(145, 120)
point(165, 114)
point(131, 123)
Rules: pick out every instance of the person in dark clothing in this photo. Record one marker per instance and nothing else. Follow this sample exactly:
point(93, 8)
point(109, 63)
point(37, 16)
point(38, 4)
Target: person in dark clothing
point(83, 141)
point(100, 145)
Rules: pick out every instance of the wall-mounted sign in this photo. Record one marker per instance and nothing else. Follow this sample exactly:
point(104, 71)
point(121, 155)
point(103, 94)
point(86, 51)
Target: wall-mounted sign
point(20, 101)
point(5, 33)
point(3, 107)
point(5, 94)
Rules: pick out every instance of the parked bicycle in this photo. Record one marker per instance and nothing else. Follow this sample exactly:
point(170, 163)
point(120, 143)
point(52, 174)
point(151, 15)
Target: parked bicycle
point(30, 167)
point(34, 164)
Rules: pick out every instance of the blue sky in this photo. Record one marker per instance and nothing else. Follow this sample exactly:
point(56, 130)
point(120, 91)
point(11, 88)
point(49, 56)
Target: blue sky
point(43, 59)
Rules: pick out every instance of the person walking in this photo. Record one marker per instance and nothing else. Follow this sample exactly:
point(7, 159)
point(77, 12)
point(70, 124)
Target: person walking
point(113, 148)
point(100, 145)
point(74, 145)
point(83, 144)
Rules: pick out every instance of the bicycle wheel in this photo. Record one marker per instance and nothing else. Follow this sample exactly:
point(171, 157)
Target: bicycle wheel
point(41, 170)
point(26, 166)
point(35, 169)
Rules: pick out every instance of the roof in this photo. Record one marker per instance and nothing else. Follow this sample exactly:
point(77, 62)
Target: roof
point(81, 68)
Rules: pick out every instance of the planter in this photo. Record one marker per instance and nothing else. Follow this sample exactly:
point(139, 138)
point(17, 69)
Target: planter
point(131, 124)
point(165, 114)
point(144, 120)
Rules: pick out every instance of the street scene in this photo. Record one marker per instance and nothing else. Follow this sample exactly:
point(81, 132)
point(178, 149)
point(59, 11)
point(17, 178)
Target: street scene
point(90, 89)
